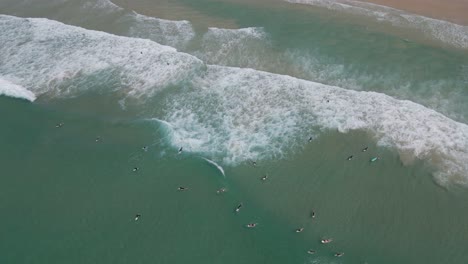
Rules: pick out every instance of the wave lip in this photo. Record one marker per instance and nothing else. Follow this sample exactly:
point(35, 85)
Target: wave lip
point(12, 90)
point(444, 31)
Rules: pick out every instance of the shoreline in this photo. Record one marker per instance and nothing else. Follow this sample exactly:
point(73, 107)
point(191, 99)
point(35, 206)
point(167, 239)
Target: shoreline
point(454, 11)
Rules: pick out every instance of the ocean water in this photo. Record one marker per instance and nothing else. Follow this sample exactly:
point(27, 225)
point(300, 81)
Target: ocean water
point(217, 94)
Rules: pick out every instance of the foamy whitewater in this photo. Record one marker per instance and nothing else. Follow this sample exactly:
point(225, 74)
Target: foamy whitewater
point(12, 90)
point(49, 57)
point(446, 32)
point(230, 114)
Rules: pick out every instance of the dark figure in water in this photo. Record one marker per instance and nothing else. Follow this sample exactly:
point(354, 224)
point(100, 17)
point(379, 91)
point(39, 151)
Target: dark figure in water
point(350, 157)
point(254, 163)
point(365, 149)
point(310, 139)
point(135, 169)
point(251, 225)
point(98, 139)
point(299, 230)
point(339, 254)
point(264, 177)
point(59, 125)
point(180, 150)
point(312, 214)
point(145, 148)
point(137, 216)
point(238, 208)
point(310, 251)
point(182, 188)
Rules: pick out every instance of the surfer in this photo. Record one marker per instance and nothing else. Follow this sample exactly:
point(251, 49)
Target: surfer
point(182, 188)
point(137, 216)
point(365, 149)
point(339, 254)
point(350, 157)
point(59, 125)
point(145, 148)
point(238, 208)
point(310, 139)
point(312, 214)
point(264, 177)
point(374, 159)
point(254, 163)
point(326, 240)
point(310, 251)
point(135, 169)
point(299, 230)
point(222, 190)
point(180, 150)
point(98, 139)
point(251, 225)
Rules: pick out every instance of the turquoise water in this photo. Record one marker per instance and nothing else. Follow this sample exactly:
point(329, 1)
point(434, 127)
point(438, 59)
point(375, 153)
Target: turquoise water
point(69, 193)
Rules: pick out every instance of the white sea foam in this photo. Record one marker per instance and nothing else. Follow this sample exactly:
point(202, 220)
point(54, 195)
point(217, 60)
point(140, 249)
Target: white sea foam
point(242, 114)
point(12, 90)
point(450, 33)
point(49, 57)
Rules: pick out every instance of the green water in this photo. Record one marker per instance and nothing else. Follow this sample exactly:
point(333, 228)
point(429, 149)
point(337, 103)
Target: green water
point(69, 198)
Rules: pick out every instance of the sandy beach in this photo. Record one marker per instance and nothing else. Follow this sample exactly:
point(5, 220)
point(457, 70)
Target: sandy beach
point(455, 11)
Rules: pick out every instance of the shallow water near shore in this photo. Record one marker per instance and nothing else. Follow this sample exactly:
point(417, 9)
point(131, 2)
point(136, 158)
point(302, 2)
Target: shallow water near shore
point(70, 194)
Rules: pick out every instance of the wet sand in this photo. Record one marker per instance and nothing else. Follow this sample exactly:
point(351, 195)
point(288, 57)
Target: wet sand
point(455, 11)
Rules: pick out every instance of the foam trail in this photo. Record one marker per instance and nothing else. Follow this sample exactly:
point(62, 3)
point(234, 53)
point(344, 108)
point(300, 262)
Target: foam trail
point(216, 165)
point(12, 90)
point(446, 32)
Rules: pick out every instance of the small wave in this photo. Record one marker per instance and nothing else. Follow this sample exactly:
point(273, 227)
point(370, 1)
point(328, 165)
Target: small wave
point(12, 90)
point(446, 32)
point(233, 47)
point(167, 32)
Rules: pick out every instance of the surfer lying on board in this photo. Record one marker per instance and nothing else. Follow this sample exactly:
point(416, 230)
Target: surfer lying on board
point(238, 208)
point(251, 225)
point(137, 216)
point(326, 240)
